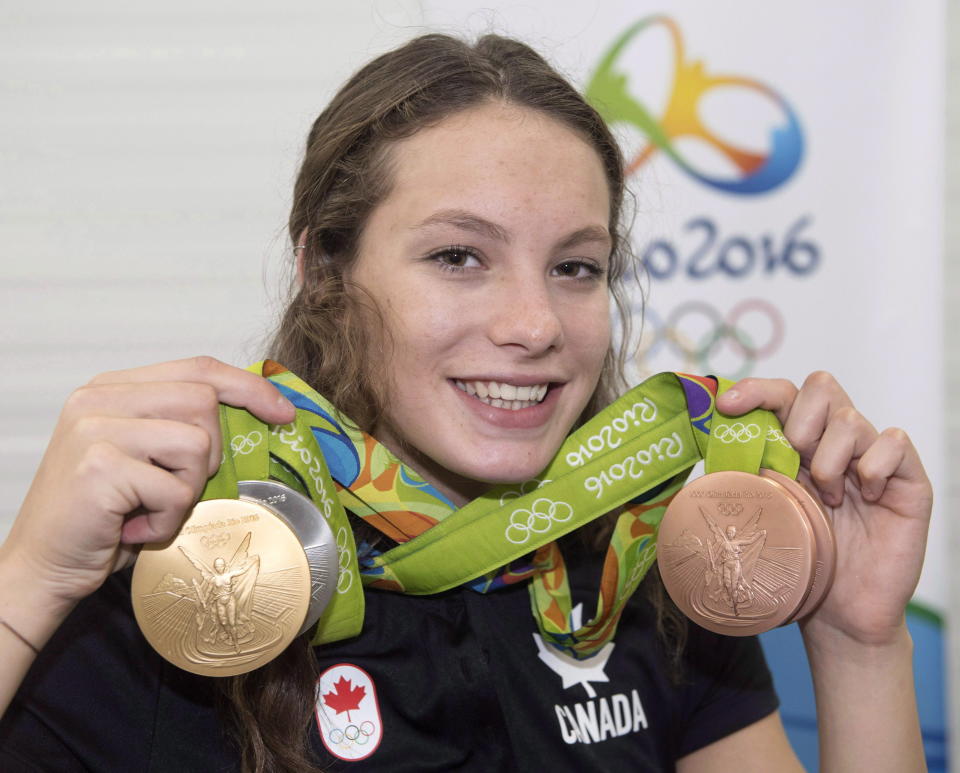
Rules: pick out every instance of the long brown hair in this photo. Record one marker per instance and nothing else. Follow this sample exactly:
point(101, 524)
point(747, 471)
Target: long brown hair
point(327, 333)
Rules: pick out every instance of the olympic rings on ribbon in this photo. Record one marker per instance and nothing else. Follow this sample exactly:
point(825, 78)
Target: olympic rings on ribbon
point(695, 331)
point(776, 436)
point(738, 432)
point(244, 444)
point(537, 520)
point(344, 561)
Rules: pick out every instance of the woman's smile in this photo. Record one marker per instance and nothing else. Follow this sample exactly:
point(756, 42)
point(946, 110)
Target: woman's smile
point(529, 407)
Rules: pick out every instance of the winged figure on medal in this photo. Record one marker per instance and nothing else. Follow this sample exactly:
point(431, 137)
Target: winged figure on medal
point(229, 612)
point(732, 555)
point(731, 573)
point(225, 596)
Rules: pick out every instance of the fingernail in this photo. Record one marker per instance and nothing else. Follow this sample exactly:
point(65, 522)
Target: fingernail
point(732, 394)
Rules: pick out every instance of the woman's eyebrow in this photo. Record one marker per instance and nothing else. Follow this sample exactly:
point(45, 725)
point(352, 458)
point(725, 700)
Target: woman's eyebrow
point(585, 235)
point(467, 221)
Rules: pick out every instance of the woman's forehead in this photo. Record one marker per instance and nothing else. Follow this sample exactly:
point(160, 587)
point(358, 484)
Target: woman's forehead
point(499, 161)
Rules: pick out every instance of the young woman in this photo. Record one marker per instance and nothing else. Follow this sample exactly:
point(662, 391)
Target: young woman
point(456, 225)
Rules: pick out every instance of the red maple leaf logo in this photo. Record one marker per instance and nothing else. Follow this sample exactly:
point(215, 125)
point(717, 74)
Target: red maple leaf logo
point(344, 696)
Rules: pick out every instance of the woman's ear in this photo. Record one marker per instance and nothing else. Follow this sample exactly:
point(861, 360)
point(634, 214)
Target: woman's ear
point(299, 250)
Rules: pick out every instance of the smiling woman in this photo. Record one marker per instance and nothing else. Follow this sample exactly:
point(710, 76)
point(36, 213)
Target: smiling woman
point(456, 226)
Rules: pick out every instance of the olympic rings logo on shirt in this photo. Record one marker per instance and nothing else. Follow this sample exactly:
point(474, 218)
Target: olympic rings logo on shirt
point(537, 520)
point(358, 734)
point(738, 432)
point(696, 332)
point(244, 444)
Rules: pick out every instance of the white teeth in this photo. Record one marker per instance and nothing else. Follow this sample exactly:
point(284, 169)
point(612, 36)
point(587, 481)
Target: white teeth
point(503, 395)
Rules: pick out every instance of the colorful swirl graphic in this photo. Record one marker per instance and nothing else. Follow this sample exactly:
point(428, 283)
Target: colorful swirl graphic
point(758, 173)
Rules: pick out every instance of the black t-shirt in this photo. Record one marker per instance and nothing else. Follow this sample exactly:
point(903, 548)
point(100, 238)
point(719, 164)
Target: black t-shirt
point(458, 681)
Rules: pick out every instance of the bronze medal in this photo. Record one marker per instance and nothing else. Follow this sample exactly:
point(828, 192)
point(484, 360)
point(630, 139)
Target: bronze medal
point(227, 594)
point(313, 531)
point(826, 561)
point(736, 553)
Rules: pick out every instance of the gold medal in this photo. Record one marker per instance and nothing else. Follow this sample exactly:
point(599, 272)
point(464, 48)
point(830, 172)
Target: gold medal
point(227, 594)
point(737, 553)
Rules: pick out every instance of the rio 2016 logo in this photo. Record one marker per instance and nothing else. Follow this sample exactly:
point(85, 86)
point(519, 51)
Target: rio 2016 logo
point(756, 172)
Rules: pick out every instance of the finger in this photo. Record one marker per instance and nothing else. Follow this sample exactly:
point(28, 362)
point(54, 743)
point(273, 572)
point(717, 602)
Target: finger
point(820, 397)
point(892, 455)
point(121, 484)
point(164, 501)
point(775, 395)
point(180, 448)
point(803, 413)
point(186, 402)
point(846, 438)
point(234, 386)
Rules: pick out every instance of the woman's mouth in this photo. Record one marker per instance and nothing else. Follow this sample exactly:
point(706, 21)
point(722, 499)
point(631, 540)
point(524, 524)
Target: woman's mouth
point(499, 394)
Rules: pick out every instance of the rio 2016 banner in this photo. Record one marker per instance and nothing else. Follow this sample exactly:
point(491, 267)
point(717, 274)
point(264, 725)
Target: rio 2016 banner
point(786, 183)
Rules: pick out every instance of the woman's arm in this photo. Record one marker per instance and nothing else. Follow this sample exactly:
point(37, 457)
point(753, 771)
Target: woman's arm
point(857, 642)
point(130, 455)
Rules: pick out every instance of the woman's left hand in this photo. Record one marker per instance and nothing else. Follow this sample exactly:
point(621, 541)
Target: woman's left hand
point(874, 487)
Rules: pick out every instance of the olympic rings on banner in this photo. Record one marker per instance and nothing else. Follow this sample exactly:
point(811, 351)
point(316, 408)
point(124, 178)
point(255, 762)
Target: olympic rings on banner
point(776, 323)
point(695, 331)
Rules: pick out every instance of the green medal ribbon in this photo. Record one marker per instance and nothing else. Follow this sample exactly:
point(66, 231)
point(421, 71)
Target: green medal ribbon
point(634, 455)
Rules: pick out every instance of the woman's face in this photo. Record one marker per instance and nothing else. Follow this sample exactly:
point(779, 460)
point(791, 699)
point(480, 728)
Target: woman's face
point(488, 259)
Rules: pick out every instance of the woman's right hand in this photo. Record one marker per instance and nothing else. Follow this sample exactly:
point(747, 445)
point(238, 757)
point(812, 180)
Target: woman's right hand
point(129, 457)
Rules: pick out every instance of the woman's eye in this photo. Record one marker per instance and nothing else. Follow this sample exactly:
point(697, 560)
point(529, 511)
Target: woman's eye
point(579, 269)
point(455, 258)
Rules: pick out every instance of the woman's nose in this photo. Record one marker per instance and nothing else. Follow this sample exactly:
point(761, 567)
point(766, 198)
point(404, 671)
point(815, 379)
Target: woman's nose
point(524, 314)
